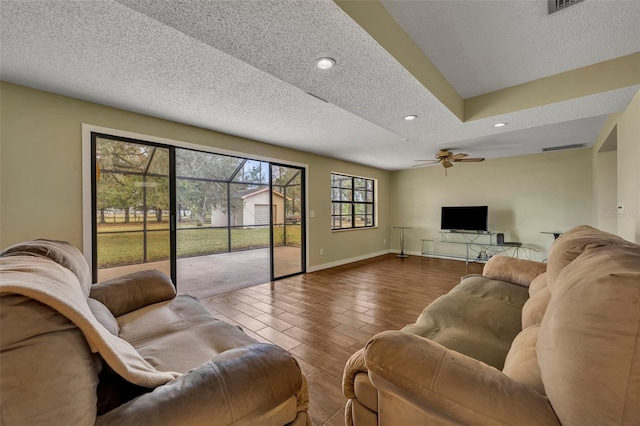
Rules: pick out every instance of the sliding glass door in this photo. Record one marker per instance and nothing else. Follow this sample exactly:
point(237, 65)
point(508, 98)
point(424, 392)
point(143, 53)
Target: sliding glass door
point(287, 212)
point(131, 203)
point(213, 222)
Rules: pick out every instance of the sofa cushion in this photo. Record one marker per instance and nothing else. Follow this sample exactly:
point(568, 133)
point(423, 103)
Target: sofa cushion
point(179, 335)
point(521, 363)
point(61, 252)
point(538, 284)
point(589, 338)
point(479, 317)
point(512, 270)
point(43, 350)
point(572, 244)
point(534, 308)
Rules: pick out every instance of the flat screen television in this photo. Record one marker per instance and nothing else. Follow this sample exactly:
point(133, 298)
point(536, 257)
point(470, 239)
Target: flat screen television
point(467, 218)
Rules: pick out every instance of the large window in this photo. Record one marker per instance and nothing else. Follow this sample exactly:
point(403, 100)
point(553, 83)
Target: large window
point(352, 202)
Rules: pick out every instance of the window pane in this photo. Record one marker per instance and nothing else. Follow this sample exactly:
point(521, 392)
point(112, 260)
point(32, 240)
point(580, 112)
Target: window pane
point(253, 172)
point(159, 164)
point(205, 165)
point(360, 183)
point(335, 222)
point(201, 203)
point(359, 196)
point(132, 204)
point(114, 155)
point(359, 209)
point(345, 195)
point(369, 220)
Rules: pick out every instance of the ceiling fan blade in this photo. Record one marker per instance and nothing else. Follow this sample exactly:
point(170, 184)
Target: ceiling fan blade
point(468, 160)
point(430, 161)
point(447, 164)
point(458, 156)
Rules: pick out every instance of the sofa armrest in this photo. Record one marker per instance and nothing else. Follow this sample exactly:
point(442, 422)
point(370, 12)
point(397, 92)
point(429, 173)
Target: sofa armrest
point(451, 386)
point(512, 270)
point(247, 385)
point(353, 366)
point(133, 291)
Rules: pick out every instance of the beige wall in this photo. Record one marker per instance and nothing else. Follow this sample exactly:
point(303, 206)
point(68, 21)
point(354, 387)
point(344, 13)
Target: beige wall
point(627, 131)
point(41, 181)
point(606, 190)
point(526, 195)
point(41, 171)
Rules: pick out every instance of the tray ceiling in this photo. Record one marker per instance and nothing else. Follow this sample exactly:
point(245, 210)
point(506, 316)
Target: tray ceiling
point(247, 68)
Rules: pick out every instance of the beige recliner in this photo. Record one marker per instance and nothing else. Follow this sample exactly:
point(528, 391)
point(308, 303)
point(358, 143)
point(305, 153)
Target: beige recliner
point(576, 360)
point(128, 352)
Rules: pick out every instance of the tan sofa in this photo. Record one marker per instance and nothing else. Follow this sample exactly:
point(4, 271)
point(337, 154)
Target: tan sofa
point(128, 352)
point(573, 358)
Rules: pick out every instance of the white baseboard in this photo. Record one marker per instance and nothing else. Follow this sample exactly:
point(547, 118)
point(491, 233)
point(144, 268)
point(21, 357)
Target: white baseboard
point(345, 261)
point(435, 256)
point(379, 253)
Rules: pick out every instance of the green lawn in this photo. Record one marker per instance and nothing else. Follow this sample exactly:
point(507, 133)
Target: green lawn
point(117, 248)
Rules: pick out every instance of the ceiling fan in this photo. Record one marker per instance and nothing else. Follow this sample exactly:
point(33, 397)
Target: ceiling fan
point(447, 158)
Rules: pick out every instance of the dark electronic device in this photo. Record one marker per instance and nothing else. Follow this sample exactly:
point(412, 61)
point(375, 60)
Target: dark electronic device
point(466, 218)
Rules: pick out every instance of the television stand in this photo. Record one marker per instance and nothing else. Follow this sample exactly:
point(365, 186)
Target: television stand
point(479, 246)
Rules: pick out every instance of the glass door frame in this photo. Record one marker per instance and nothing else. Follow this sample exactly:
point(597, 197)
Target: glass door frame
point(172, 200)
point(89, 224)
point(303, 220)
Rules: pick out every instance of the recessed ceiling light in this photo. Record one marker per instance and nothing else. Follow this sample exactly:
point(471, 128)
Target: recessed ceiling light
point(325, 63)
point(499, 124)
point(410, 117)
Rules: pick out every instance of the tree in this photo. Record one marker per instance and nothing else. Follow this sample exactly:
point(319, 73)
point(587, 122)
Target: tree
point(128, 173)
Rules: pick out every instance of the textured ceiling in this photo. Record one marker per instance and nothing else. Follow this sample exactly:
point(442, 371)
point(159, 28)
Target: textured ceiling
point(246, 68)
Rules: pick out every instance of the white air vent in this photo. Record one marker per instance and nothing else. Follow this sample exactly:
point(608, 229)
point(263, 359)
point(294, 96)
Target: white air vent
point(556, 5)
point(562, 147)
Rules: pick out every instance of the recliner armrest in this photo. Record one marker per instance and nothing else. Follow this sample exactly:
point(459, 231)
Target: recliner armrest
point(449, 385)
point(133, 291)
point(513, 270)
point(239, 386)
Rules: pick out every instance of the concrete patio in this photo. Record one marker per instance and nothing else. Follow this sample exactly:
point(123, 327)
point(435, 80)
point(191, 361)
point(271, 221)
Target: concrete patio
point(205, 276)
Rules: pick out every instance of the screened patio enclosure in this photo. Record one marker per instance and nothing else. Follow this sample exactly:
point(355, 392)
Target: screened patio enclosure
point(187, 212)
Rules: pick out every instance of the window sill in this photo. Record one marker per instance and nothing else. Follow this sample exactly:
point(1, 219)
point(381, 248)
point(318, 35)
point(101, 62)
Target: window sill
point(355, 229)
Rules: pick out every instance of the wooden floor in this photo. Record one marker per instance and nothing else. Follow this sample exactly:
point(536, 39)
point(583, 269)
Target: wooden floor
point(323, 317)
